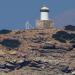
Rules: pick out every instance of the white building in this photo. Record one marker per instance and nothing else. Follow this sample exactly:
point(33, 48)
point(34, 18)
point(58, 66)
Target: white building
point(44, 21)
point(44, 13)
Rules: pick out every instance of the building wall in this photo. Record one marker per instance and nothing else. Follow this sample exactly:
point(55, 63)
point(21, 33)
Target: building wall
point(43, 24)
point(44, 16)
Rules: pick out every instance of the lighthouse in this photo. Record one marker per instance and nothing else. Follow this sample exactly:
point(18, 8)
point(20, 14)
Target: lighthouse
point(44, 22)
point(44, 13)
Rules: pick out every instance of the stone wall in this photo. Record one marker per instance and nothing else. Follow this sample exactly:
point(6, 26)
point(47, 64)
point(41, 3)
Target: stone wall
point(43, 24)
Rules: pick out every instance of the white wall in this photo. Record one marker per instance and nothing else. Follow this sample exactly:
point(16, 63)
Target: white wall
point(44, 16)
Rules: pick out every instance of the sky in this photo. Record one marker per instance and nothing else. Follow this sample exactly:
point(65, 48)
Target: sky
point(15, 13)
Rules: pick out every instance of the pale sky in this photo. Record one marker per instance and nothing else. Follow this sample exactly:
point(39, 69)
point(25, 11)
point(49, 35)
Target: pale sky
point(14, 13)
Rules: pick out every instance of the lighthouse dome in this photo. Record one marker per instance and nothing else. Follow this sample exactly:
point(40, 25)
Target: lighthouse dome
point(44, 9)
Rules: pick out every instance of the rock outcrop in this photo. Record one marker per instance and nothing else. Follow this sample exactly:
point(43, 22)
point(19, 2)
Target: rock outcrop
point(36, 52)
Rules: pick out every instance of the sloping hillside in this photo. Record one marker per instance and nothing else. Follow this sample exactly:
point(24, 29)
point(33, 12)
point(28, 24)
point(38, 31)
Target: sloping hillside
point(37, 52)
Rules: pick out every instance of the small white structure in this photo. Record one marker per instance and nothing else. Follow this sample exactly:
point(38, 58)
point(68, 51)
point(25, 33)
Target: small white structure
point(44, 13)
point(28, 25)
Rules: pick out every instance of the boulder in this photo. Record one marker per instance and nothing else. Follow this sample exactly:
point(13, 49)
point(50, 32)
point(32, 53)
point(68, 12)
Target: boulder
point(37, 39)
point(73, 73)
point(2, 65)
point(48, 46)
point(65, 68)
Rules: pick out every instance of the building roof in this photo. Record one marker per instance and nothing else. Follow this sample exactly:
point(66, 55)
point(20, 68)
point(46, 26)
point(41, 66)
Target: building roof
point(44, 8)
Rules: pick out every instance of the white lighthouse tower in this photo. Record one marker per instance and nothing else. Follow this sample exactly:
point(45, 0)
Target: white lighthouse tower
point(44, 21)
point(44, 13)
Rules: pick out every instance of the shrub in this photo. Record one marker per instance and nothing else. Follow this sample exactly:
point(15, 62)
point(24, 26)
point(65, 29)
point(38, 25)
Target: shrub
point(5, 31)
point(11, 43)
point(72, 41)
point(73, 38)
point(70, 28)
point(63, 36)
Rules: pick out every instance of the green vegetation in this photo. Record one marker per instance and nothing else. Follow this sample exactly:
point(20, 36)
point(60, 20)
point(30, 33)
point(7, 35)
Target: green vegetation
point(5, 31)
point(70, 28)
point(10, 43)
point(63, 36)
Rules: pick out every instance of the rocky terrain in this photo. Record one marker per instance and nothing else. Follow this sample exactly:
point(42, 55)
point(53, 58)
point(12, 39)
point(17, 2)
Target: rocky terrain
point(37, 52)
